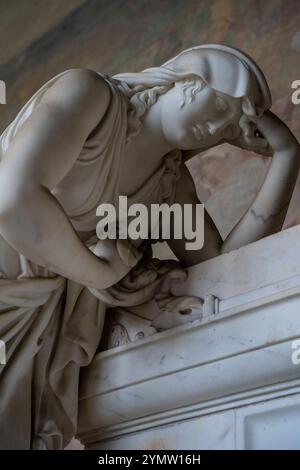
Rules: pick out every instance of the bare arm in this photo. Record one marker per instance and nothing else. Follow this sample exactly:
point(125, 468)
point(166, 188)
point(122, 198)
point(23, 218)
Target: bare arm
point(267, 213)
point(41, 154)
point(186, 194)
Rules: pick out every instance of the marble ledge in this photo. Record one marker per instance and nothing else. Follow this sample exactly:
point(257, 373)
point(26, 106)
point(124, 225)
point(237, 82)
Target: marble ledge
point(232, 356)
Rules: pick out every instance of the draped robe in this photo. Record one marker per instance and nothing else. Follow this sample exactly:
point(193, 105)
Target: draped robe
point(52, 326)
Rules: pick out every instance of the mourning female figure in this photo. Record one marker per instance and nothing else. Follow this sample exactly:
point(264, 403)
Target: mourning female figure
point(83, 139)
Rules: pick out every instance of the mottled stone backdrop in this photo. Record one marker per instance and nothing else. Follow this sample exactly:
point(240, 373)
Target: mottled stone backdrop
point(40, 38)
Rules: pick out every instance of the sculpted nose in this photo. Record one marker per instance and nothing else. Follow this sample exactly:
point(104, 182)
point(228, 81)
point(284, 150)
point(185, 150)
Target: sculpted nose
point(216, 126)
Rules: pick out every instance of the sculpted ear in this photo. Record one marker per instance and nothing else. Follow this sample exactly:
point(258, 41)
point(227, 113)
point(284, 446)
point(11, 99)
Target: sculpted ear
point(248, 107)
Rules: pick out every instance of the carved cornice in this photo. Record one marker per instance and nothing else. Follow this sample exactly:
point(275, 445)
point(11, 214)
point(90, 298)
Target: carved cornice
point(233, 357)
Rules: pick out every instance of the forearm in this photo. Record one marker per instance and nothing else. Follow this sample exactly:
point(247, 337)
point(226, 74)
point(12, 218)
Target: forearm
point(186, 194)
point(37, 226)
point(267, 214)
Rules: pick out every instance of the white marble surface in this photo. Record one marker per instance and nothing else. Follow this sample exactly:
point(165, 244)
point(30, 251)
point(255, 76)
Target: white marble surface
point(232, 360)
point(77, 143)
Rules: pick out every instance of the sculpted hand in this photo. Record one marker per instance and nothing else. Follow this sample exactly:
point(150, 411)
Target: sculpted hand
point(265, 135)
point(252, 137)
point(145, 280)
point(276, 133)
point(119, 254)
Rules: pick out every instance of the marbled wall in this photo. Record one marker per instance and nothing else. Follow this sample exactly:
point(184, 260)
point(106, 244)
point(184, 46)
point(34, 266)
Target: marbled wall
point(40, 38)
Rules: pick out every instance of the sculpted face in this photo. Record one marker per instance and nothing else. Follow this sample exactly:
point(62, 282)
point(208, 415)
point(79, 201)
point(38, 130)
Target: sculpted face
point(210, 117)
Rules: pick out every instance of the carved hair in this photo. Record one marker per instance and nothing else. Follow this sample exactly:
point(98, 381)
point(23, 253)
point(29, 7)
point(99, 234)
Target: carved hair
point(194, 68)
point(141, 101)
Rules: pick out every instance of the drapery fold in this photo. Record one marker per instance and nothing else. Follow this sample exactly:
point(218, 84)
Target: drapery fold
point(52, 326)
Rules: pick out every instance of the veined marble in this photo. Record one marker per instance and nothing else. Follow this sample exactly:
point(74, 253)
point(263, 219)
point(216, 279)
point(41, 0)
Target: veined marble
point(226, 382)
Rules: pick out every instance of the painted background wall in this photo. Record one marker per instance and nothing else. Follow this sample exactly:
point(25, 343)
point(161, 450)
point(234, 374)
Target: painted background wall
point(40, 38)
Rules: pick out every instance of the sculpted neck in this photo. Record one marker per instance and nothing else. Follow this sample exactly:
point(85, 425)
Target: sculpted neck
point(151, 137)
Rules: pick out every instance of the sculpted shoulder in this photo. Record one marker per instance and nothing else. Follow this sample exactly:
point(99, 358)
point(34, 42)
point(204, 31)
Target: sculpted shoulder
point(78, 93)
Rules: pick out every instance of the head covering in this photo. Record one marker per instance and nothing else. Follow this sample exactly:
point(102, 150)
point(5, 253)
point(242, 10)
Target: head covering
point(223, 68)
